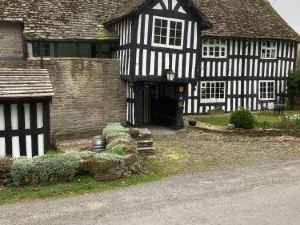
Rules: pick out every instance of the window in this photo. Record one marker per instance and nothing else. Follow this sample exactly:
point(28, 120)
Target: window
point(45, 49)
point(267, 90)
point(269, 50)
point(214, 48)
point(213, 91)
point(168, 33)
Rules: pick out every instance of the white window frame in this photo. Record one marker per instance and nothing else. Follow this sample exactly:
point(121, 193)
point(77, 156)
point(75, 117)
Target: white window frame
point(267, 87)
point(212, 100)
point(217, 42)
point(266, 48)
point(169, 20)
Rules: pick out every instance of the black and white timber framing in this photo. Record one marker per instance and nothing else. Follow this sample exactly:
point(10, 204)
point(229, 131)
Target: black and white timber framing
point(241, 70)
point(25, 96)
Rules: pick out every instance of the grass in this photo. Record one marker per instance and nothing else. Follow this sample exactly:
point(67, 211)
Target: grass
point(270, 120)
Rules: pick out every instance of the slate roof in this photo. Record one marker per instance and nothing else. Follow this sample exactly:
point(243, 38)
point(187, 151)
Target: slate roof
point(232, 18)
point(60, 19)
point(245, 18)
point(25, 83)
point(82, 19)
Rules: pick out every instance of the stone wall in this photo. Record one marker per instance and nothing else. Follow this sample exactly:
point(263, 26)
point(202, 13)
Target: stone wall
point(11, 40)
point(88, 94)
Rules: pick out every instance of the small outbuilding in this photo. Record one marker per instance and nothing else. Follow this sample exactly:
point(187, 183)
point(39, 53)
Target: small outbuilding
point(25, 96)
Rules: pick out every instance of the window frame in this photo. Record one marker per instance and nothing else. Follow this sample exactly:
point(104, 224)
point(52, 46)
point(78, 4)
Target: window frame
point(169, 20)
point(268, 82)
point(266, 48)
point(214, 45)
point(212, 100)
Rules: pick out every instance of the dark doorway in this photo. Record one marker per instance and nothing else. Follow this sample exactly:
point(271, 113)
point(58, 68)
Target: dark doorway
point(163, 104)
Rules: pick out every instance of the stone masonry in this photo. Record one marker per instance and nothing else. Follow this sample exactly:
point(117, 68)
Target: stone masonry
point(88, 94)
point(11, 40)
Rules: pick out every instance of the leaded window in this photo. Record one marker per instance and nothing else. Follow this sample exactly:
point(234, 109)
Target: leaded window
point(168, 33)
point(268, 50)
point(214, 48)
point(213, 90)
point(267, 90)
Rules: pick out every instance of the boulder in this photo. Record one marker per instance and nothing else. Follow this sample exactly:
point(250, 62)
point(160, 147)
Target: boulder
point(231, 127)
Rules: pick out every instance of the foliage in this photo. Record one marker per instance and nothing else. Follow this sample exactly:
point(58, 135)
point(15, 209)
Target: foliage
point(242, 118)
point(289, 122)
point(51, 168)
point(24, 171)
point(116, 149)
point(86, 154)
point(113, 136)
point(110, 157)
point(113, 128)
point(5, 165)
point(293, 87)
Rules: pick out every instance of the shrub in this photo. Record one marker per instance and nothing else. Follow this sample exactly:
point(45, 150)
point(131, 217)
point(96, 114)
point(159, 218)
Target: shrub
point(116, 149)
point(289, 122)
point(293, 87)
point(112, 136)
point(110, 157)
point(112, 129)
point(57, 168)
point(242, 118)
point(45, 169)
point(24, 171)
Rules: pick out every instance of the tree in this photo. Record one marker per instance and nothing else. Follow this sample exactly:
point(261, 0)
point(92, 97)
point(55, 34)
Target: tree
point(293, 87)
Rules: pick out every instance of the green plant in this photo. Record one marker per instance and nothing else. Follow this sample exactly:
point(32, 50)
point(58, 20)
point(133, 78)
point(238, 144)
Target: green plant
point(57, 168)
point(116, 149)
point(51, 168)
point(112, 129)
point(289, 122)
point(24, 171)
point(242, 118)
point(293, 87)
point(110, 157)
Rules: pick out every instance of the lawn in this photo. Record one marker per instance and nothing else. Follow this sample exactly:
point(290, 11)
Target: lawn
point(262, 119)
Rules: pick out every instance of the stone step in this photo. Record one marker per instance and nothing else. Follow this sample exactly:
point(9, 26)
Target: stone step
point(145, 143)
point(147, 150)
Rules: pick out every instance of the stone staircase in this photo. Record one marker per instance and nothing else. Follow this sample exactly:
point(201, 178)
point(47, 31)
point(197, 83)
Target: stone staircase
point(144, 140)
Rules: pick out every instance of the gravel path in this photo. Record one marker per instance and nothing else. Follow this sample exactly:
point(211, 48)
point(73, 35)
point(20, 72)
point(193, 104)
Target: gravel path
point(261, 195)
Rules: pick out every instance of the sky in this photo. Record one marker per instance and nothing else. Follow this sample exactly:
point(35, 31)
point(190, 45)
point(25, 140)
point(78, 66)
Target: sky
point(289, 10)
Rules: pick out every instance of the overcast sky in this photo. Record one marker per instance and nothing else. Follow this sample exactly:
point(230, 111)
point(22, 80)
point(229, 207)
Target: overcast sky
point(290, 11)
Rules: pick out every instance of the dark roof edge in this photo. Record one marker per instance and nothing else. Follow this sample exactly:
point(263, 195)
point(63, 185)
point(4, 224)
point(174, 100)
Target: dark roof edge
point(249, 37)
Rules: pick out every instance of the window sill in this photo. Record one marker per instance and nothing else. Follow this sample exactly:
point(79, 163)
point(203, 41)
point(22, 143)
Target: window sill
point(212, 101)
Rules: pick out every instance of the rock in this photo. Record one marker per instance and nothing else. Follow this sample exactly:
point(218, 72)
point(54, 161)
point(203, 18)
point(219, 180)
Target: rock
point(127, 174)
point(130, 145)
point(134, 132)
point(130, 159)
point(231, 127)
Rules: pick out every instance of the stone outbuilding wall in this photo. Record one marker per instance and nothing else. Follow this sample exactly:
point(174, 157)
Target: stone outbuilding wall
point(88, 94)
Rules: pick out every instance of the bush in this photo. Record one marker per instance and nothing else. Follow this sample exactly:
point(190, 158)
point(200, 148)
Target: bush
point(116, 149)
point(242, 118)
point(114, 128)
point(45, 169)
point(289, 122)
point(110, 157)
point(24, 171)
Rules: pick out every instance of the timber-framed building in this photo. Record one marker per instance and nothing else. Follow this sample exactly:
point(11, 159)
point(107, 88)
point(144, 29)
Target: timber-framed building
point(134, 61)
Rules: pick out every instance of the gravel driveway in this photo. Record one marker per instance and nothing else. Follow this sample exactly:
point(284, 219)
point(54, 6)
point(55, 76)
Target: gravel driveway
point(261, 195)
